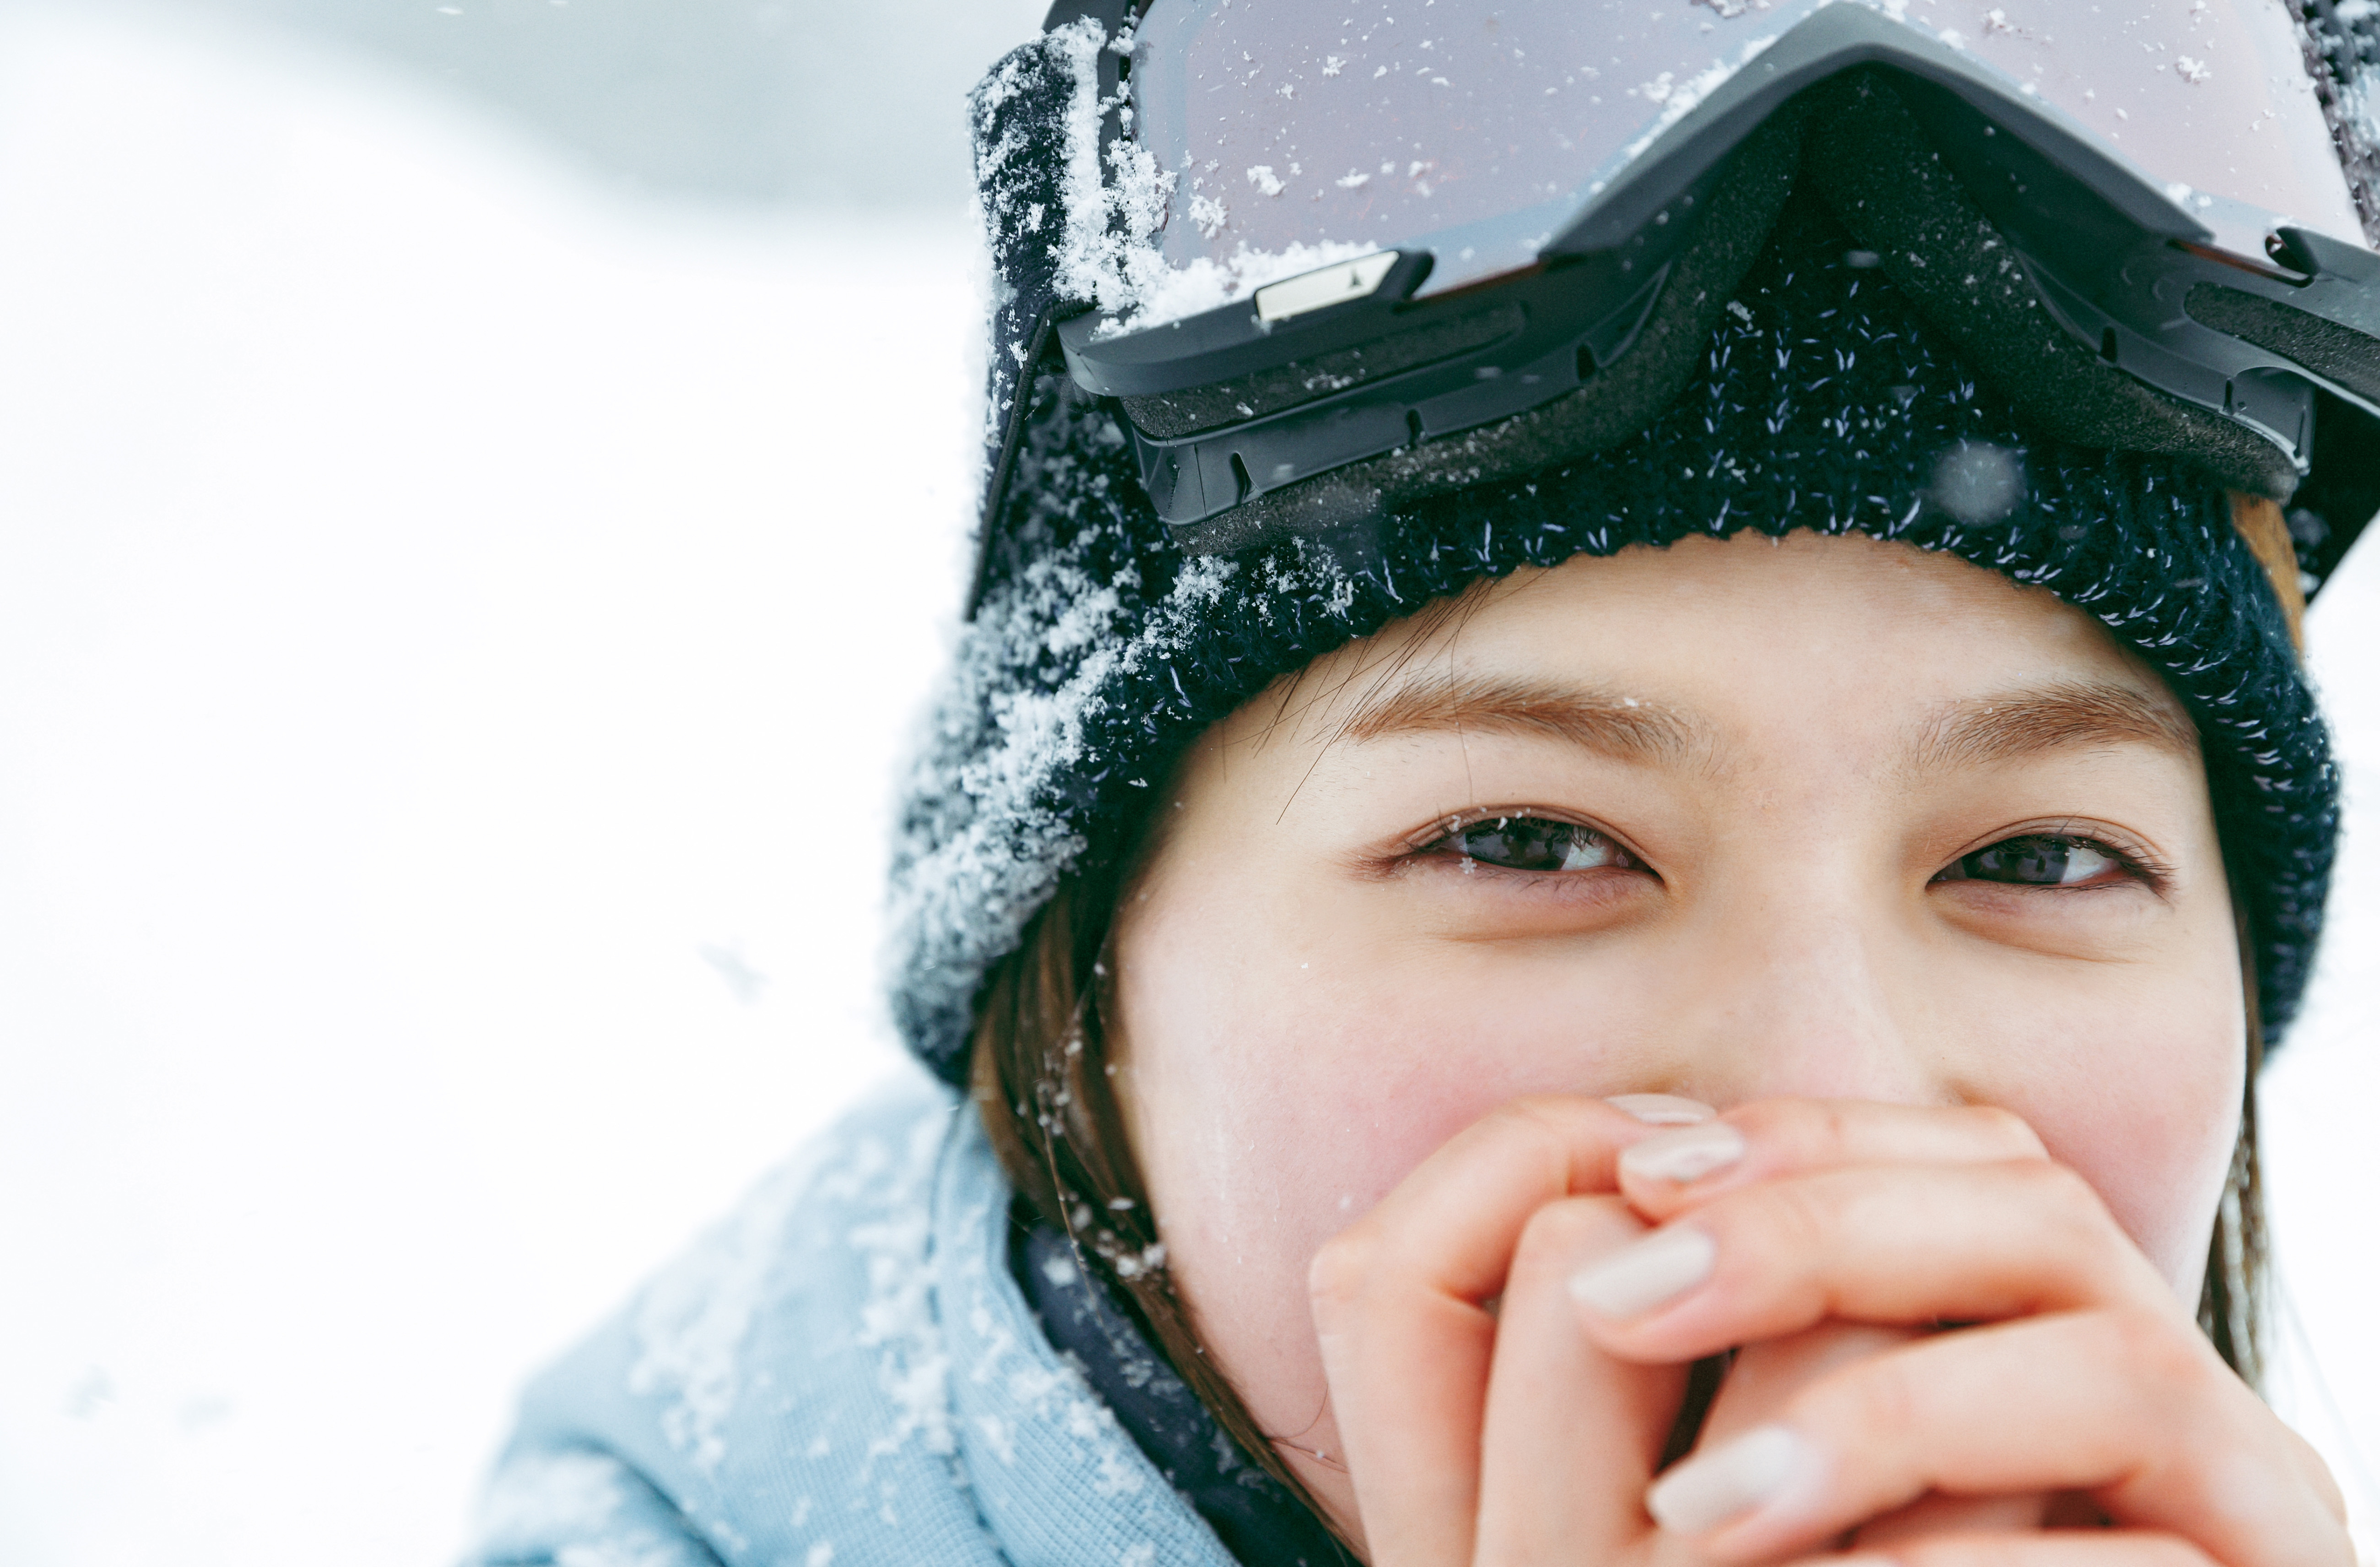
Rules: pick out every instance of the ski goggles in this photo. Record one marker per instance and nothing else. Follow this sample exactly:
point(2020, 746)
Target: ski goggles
point(1338, 234)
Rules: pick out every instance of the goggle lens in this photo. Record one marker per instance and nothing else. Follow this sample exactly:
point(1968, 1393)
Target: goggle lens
point(1480, 127)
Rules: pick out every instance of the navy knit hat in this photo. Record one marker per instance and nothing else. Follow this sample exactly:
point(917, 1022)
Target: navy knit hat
point(1099, 652)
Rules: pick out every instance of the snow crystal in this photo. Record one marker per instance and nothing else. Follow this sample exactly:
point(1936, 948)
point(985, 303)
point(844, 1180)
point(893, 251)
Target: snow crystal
point(1149, 1259)
point(1115, 202)
point(2359, 102)
point(2191, 72)
point(1205, 284)
point(1105, 248)
point(897, 1319)
point(1978, 482)
point(967, 880)
point(1677, 100)
point(1000, 1435)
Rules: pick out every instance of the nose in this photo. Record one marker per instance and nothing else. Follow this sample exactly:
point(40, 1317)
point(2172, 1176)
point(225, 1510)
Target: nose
point(1789, 996)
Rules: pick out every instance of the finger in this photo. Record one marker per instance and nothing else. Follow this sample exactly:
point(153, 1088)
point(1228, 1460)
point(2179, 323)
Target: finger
point(1767, 1377)
point(1571, 1434)
point(1907, 1244)
point(2131, 1408)
point(2048, 1547)
point(1676, 1169)
point(1397, 1302)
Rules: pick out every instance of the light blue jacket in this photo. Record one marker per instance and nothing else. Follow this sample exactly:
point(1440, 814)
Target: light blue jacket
point(844, 1372)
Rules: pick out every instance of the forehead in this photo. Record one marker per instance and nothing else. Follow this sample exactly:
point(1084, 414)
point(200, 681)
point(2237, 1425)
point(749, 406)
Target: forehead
point(1810, 633)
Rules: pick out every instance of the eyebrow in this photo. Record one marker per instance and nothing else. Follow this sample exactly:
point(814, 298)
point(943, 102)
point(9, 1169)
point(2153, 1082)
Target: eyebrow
point(1443, 703)
point(2014, 725)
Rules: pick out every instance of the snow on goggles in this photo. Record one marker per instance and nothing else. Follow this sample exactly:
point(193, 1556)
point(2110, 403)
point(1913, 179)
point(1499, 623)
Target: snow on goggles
point(1345, 232)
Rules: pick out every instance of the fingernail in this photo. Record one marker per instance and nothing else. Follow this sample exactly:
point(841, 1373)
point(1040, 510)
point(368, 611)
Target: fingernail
point(1729, 1481)
point(1645, 1273)
point(1687, 1154)
point(1662, 1110)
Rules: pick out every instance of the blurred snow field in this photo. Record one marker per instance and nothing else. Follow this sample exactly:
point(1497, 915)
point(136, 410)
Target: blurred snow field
point(456, 632)
point(456, 629)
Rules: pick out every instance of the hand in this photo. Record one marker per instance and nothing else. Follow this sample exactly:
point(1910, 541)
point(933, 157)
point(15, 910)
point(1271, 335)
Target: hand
point(1477, 1420)
point(2087, 1376)
point(1478, 1437)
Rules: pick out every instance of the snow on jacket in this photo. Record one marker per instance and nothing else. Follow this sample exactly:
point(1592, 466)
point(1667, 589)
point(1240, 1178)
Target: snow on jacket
point(843, 1372)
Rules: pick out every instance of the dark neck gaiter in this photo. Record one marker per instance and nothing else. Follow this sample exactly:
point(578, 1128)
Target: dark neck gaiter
point(1256, 1518)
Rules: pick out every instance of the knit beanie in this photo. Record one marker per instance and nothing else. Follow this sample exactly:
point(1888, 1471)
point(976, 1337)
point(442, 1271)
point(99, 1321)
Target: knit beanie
point(1098, 650)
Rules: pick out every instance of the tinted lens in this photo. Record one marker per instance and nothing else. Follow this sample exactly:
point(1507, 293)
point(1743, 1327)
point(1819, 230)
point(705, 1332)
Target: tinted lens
point(1479, 128)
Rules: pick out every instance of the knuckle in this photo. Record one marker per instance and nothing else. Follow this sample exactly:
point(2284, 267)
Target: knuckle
point(1791, 1134)
point(2077, 1239)
point(1784, 1225)
point(2059, 1195)
point(1538, 1119)
point(1771, 1119)
point(1883, 1403)
point(1800, 1215)
point(2158, 1355)
point(2004, 1128)
point(1549, 1230)
point(1549, 1240)
point(1535, 1110)
point(1555, 1235)
point(1335, 1279)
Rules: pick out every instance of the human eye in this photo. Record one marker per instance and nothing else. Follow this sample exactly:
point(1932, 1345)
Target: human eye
point(1515, 841)
point(2047, 860)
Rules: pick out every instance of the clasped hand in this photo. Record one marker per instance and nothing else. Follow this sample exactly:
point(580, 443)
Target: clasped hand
point(1508, 1338)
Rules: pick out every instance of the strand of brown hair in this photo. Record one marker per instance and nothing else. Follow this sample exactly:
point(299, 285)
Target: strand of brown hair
point(1045, 1089)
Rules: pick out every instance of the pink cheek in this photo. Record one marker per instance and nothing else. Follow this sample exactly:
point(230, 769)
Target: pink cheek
point(1333, 1098)
point(2150, 1127)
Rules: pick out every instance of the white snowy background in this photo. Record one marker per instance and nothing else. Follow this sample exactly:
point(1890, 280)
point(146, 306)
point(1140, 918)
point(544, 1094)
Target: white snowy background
point(458, 616)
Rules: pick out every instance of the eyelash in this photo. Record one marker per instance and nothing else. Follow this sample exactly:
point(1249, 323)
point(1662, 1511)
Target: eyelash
point(1552, 834)
point(2134, 862)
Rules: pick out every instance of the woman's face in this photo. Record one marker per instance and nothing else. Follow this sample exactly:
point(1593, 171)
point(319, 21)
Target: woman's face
point(1732, 820)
